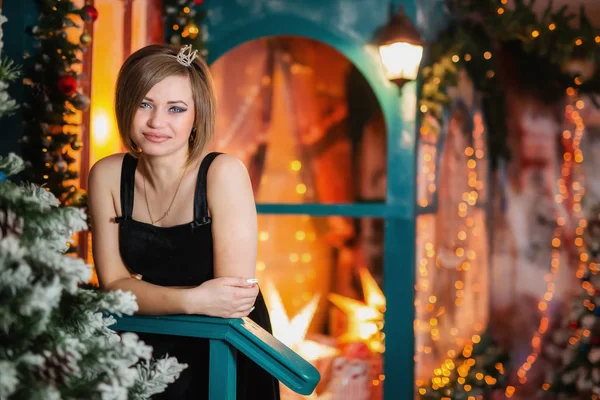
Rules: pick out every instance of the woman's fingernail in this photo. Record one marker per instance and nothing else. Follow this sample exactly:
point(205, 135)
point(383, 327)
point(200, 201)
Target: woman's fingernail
point(252, 280)
point(252, 309)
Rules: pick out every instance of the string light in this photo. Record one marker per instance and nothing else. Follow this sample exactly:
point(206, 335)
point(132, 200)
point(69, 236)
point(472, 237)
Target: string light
point(428, 167)
point(571, 157)
point(429, 311)
point(424, 304)
point(182, 18)
point(451, 377)
point(578, 189)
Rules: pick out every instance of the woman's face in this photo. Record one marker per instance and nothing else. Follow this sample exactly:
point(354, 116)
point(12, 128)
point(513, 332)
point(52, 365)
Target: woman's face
point(165, 118)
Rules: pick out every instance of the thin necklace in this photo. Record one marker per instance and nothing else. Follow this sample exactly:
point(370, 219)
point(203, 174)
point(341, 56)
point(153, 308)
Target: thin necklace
point(152, 221)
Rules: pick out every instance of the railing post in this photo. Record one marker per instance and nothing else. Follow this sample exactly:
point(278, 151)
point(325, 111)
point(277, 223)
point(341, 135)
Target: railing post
point(222, 371)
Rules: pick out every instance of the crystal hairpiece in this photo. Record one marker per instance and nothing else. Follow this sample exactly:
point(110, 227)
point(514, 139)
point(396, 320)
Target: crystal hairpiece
point(186, 56)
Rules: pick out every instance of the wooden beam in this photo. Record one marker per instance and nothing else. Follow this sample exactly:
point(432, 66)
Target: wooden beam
point(155, 26)
point(86, 87)
point(84, 165)
point(127, 27)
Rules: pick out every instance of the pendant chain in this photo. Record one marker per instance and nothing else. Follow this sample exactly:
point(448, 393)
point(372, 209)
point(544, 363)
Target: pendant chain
point(172, 200)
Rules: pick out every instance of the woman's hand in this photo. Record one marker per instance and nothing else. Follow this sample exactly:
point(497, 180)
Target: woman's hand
point(225, 297)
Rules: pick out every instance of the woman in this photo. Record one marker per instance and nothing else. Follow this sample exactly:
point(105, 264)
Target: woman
point(172, 224)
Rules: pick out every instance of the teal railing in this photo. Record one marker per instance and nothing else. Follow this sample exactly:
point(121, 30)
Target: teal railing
point(227, 337)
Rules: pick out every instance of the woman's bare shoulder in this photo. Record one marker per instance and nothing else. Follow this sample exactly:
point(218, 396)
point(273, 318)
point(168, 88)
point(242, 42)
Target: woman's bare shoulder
point(106, 171)
point(228, 176)
point(227, 167)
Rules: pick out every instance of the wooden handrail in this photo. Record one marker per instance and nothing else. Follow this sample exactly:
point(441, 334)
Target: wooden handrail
point(227, 336)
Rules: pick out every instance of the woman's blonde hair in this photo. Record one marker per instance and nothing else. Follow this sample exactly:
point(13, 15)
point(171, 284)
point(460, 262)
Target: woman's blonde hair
point(145, 68)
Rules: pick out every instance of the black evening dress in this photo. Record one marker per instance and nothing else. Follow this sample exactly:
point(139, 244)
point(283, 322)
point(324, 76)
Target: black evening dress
point(182, 255)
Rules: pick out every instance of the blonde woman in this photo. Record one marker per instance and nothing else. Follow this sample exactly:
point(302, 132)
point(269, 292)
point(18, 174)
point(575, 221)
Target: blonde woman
point(172, 224)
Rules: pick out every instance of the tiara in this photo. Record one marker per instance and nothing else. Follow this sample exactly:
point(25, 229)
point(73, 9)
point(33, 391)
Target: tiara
point(186, 56)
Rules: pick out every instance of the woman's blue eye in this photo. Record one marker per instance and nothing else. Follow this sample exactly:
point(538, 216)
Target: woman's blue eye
point(173, 109)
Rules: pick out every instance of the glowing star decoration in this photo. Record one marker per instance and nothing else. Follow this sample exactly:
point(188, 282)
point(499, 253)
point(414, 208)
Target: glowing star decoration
point(365, 319)
point(292, 332)
point(371, 291)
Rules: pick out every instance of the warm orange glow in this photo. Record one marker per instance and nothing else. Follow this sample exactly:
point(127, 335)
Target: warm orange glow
point(301, 188)
point(292, 331)
point(365, 320)
point(296, 165)
point(371, 291)
point(107, 60)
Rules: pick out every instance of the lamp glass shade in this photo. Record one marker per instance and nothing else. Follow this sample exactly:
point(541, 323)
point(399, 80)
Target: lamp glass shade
point(401, 60)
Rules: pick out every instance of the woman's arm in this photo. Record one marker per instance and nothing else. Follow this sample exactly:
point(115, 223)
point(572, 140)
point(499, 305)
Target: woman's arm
point(104, 180)
point(233, 212)
point(230, 297)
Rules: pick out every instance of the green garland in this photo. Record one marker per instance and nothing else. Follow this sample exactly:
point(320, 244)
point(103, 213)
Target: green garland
point(544, 54)
point(51, 133)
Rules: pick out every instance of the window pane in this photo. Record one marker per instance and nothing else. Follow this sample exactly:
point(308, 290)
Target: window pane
point(303, 120)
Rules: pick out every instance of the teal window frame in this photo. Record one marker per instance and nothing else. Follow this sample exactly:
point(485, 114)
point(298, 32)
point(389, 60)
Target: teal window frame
point(398, 210)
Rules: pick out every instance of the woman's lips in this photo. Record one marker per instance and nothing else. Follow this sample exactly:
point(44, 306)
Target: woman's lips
point(154, 138)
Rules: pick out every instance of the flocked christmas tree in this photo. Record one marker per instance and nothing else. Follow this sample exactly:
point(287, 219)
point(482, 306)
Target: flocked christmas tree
point(55, 341)
point(8, 72)
point(477, 373)
point(52, 127)
point(574, 350)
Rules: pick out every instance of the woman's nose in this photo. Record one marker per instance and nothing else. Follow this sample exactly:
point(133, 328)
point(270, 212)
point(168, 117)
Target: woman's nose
point(157, 119)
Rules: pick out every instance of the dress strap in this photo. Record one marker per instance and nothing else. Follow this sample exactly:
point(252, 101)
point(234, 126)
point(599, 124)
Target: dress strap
point(200, 197)
point(127, 186)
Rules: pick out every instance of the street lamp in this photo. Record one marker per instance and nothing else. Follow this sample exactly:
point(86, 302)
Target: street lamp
point(400, 49)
